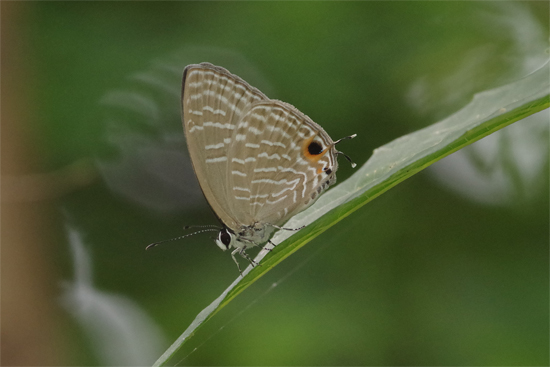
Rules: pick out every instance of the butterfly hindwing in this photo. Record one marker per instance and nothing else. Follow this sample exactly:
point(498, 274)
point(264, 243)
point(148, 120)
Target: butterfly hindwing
point(271, 173)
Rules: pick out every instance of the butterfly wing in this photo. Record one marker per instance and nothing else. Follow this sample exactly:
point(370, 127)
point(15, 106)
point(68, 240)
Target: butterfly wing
point(280, 161)
point(213, 101)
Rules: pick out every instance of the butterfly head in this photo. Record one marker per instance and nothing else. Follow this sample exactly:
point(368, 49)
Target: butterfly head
point(226, 239)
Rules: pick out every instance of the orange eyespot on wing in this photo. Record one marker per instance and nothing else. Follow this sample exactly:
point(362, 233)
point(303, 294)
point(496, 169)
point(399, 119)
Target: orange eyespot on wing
point(312, 150)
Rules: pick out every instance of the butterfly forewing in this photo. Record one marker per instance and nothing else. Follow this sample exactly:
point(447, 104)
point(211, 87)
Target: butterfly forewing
point(271, 173)
point(213, 101)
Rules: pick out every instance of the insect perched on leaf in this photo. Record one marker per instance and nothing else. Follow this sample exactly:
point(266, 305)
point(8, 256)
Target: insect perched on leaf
point(258, 161)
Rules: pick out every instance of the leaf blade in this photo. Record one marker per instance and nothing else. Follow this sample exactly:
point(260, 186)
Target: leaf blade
point(389, 165)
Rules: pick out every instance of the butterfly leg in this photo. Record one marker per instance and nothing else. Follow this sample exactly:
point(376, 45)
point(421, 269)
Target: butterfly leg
point(234, 259)
point(287, 229)
point(269, 249)
point(245, 255)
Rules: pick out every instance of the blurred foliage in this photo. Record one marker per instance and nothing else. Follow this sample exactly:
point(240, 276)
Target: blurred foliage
point(420, 276)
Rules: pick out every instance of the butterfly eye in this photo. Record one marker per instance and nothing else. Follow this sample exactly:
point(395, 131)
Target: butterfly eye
point(224, 237)
point(314, 148)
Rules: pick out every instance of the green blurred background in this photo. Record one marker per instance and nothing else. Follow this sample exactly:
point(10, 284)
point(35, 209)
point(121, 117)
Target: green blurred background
point(448, 268)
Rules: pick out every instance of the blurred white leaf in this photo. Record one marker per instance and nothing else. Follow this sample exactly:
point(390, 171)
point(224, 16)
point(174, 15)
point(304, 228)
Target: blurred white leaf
point(120, 331)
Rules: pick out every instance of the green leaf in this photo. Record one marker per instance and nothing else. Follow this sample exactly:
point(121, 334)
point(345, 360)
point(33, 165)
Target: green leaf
point(390, 164)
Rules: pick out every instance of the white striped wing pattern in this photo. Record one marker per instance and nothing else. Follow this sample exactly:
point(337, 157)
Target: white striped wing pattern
point(258, 161)
point(269, 174)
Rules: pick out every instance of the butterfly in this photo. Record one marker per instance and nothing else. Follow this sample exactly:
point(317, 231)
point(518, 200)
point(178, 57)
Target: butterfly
point(258, 161)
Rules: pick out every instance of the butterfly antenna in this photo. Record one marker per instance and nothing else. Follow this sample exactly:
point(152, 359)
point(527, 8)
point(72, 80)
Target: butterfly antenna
point(353, 165)
point(181, 237)
point(205, 226)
